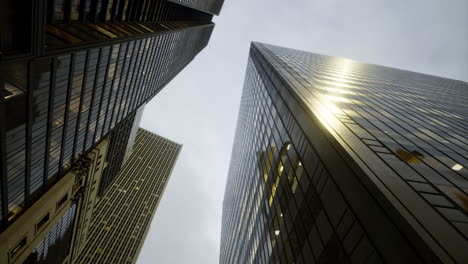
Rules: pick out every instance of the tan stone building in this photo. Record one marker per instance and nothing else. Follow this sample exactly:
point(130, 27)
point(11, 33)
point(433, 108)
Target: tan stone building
point(42, 231)
point(124, 214)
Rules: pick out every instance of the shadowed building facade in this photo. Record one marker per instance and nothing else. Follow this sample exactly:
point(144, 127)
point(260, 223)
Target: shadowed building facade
point(338, 161)
point(44, 233)
point(123, 216)
point(209, 6)
point(71, 72)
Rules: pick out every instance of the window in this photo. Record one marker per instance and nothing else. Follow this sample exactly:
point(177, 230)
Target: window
point(62, 201)
point(41, 223)
point(410, 157)
point(18, 248)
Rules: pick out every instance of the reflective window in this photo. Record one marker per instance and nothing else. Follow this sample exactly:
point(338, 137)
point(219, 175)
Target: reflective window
point(14, 89)
point(41, 90)
point(61, 82)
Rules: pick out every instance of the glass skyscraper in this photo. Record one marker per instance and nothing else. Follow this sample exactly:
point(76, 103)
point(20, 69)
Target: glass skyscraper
point(209, 6)
point(338, 161)
point(71, 71)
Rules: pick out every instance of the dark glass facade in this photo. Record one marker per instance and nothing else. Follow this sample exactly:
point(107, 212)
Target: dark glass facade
point(337, 161)
point(85, 67)
point(210, 6)
point(121, 142)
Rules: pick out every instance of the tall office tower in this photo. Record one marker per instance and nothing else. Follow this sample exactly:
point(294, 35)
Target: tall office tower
point(123, 216)
point(71, 71)
point(121, 144)
point(337, 161)
point(210, 6)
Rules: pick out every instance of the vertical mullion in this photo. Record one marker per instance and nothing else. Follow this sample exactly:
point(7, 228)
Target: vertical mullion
point(136, 73)
point(103, 11)
point(149, 14)
point(50, 10)
point(130, 86)
point(126, 89)
point(78, 119)
point(114, 9)
point(81, 11)
point(3, 163)
point(67, 111)
point(144, 67)
point(120, 91)
point(91, 104)
point(111, 87)
point(111, 49)
point(108, 118)
point(67, 13)
point(153, 81)
point(49, 120)
point(29, 118)
point(39, 19)
point(157, 6)
point(146, 9)
point(149, 79)
point(130, 10)
point(93, 11)
point(119, 12)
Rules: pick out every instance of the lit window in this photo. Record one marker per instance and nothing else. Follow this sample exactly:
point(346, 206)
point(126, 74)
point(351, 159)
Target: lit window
point(410, 157)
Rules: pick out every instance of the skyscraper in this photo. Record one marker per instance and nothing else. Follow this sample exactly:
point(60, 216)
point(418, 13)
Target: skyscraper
point(123, 216)
point(210, 6)
point(71, 71)
point(44, 233)
point(338, 161)
point(121, 144)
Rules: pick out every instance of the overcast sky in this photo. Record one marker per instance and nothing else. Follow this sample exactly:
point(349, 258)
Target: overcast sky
point(199, 107)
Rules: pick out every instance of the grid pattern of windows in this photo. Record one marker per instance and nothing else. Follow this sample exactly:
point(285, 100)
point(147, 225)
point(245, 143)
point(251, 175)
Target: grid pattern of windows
point(77, 99)
point(115, 157)
point(73, 107)
point(53, 249)
point(211, 6)
point(124, 214)
point(86, 99)
point(15, 141)
point(337, 161)
point(124, 10)
point(114, 21)
point(59, 105)
point(40, 81)
point(76, 35)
